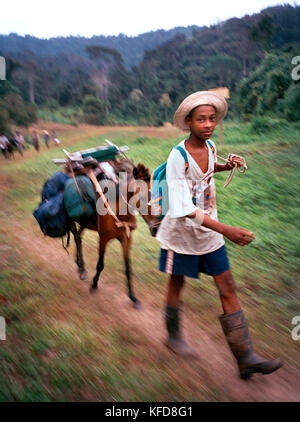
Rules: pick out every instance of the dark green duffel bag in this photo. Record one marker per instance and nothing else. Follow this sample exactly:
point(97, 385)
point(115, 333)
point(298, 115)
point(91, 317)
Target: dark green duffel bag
point(83, 204)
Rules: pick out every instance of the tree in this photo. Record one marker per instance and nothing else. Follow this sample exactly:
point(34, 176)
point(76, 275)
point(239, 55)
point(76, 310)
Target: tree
point(104, 58)
point(235, 42)
point(136, 95)
point(292, 103)
point(27, 71)
point(266, 87)
point(263, 31)
point(225, 70)
point(4, 120)
point(19, 112)
point(165, 102)
point(93, 110)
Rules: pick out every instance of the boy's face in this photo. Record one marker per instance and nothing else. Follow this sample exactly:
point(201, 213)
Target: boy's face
point(202, 122)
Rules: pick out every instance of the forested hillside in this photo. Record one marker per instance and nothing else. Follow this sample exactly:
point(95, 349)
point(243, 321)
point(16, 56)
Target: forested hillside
point(131, 48)
point(77, 79)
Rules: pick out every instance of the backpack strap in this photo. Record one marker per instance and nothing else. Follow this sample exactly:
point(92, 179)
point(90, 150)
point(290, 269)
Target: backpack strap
point(213, 149)
point(210, 145)
point(184, 154)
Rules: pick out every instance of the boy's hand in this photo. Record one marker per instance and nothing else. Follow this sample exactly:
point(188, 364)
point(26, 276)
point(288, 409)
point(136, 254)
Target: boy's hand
point(236, 160)
point(238, 235)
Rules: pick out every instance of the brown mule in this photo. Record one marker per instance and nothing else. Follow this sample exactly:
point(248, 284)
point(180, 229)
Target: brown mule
point(109, 228)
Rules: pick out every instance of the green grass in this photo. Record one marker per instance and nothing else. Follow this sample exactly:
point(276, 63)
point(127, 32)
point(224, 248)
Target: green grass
point(63, 115)
point(58, 351)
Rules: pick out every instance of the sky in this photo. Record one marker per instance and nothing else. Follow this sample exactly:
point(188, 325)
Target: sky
point(52, 18)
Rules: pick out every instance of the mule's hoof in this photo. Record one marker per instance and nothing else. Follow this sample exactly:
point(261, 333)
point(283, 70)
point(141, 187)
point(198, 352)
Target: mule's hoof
point(93, 289)
point(83, 275)
point(138, 305)
point(245, 376)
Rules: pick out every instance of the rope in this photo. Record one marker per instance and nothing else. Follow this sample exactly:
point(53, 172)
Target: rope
point(77, 187)
point(233, 160)
point(75, 181)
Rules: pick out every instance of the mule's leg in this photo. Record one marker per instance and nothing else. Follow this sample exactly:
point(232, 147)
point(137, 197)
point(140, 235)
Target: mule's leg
point(79, 257)
point(126, 244)
point(100, 263)
point(83, 274)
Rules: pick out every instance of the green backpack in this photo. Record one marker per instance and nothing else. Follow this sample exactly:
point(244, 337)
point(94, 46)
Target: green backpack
point(83, 204)
point(159, 187)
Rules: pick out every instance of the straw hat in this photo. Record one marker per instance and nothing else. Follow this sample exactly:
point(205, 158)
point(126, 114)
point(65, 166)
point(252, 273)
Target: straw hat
point(196, 99)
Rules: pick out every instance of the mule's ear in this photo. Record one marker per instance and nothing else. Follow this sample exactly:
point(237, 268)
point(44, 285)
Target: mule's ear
point(135, 172)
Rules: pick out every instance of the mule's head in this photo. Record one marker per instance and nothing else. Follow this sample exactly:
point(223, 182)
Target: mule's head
point(142, 173)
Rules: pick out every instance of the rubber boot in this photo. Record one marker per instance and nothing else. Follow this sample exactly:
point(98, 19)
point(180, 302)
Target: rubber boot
point(236, 332)
point(175, 341)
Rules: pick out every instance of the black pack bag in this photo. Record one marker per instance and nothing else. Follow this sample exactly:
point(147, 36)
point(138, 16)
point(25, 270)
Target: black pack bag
point(51, 214)
point(52, 217)
point(54, 185)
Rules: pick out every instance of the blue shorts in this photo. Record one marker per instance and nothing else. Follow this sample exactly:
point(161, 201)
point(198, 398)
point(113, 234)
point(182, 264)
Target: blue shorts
point(213, 263)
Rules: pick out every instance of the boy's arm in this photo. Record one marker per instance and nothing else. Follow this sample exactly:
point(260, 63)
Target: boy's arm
point(222, 167)
point(236, 234)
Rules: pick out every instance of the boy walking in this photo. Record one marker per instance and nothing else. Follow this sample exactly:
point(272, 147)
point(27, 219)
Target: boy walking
point(191, 237)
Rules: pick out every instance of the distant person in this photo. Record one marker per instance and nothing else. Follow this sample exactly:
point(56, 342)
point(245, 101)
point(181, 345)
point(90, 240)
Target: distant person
point(35, 140)
point(11, 145)
point(46, 137)
point(20, 141)
point(191, 237)
point(55, 139)
point(4, 142)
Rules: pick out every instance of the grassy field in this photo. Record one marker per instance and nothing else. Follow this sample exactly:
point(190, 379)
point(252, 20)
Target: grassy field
point(64, 344)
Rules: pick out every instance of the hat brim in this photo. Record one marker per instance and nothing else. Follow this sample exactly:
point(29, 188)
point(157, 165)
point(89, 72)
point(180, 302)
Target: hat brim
point(196, 99)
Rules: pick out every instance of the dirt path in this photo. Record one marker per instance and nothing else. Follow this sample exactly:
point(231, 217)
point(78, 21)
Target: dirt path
point(70, 135)
point(215, 365)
